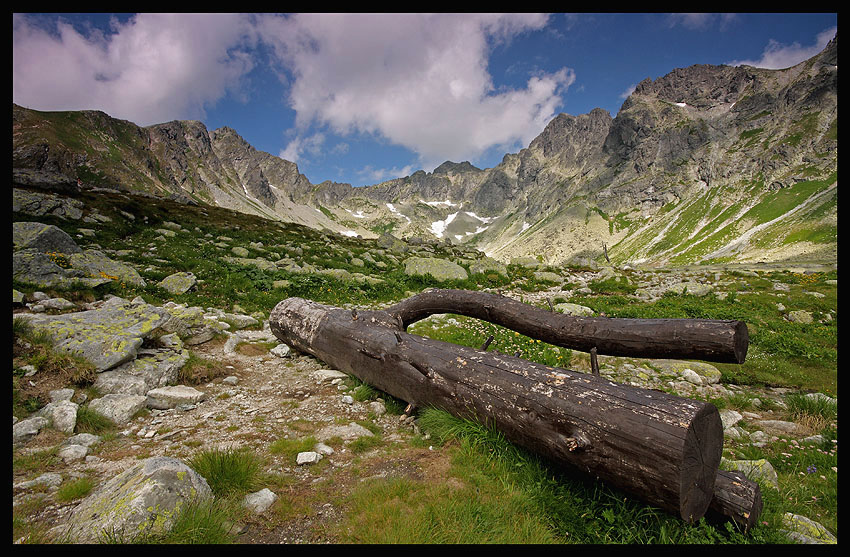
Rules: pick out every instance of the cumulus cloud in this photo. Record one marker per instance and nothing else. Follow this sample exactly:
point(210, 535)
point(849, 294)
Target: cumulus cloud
point(701, 21)
point(777, 56)
point(150, 69)
point(416, 80)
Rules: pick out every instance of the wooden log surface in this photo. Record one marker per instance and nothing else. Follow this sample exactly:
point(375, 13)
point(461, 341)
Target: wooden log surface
point(660, 448)
point(712, 340)
point(736, 497)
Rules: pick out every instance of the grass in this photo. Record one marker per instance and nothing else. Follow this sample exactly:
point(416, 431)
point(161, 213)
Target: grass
point(498, 493)
point(494, 492)
point(228, 472)
point(75, 489)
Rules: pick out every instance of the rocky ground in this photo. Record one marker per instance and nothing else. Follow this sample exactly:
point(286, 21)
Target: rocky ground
point(265, 395)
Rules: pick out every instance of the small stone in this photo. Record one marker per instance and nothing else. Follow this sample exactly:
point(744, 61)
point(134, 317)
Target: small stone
point(692, 377)
point(308, 457)
point(230, 380)
point(73, 452)
point(323, 449)
point(347, 399)
point(281, 351)
point(260, 501)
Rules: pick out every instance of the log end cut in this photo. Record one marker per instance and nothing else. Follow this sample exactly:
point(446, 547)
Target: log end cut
point(700, 461)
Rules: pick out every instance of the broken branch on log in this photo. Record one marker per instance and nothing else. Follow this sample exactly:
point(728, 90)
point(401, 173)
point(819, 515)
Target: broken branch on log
point(712, 340)
point(661, 448)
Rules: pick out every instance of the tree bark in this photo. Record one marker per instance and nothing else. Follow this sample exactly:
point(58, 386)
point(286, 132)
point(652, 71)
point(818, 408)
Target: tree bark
point(737, 498)
point(712, 340)
point(660, 448)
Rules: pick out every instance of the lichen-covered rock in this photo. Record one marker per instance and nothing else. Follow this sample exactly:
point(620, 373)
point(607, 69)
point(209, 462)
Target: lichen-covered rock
point(438, 268)
point(38, 204)
point(154, 368)
point(142, 500)
point(805, 530)
point(178, 283)
point(574, 309)
point(45, 238)
point(97, 265)
point(106, 337)
point(760, 470)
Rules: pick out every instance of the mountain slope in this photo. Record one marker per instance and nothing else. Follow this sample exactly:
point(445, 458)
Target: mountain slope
point(705, 164)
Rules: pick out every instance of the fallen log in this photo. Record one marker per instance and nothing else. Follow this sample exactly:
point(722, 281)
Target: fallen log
point(663, 449)
point(736, 497)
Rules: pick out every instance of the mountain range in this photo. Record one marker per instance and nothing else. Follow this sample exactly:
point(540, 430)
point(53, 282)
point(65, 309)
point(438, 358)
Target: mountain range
point(707, 164)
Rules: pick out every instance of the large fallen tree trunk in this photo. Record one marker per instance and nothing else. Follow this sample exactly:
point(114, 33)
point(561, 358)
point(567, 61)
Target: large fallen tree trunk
point(661, 448)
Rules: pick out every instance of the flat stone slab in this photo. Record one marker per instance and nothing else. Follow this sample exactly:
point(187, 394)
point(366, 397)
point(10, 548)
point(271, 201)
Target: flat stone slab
point(178, 283)
point(106, 337)
point(118, 408)
point(163, 398)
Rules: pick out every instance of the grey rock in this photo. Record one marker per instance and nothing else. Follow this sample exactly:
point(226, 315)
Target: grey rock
point(142, 500)
point(757, 470)
point(50, 480)
point(260, 501)
point(799, 316)
point(691, 376)
point(328, 375)
point(239, 251)
point(119, 408)
point(45, 238)
point(281, 351)
point(17, 297)
point(440, 269)
point(62, 415)
point(805, 530)
point(308, 457)
point(346, 432)
point(230, 380)
point(487, 265)
point(84, 439)
point(107, 337)
point(781, 426)
point(70, 453)
point(28, 428)
point(178, 283)
point(729, 418)
point(61, 394)
point(58, 304)
point(574, 309)
point(39, 204)
point(163, 398)
point(378, 407)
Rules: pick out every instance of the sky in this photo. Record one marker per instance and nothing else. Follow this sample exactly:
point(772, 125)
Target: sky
point(364, 98)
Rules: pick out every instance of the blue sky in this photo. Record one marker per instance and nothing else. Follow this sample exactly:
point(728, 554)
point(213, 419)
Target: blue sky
point(362, 98)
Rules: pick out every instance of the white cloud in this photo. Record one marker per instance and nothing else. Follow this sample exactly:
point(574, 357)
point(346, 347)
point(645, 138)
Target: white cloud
point(701, 21)
point(416, 80)
point(629, 90)
point(777, 56)
point(376, 175)
point(151, 69)
point(311, 145)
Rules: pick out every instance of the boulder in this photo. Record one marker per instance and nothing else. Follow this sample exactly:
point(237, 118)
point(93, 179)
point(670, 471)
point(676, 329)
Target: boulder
point(805, 530)
point(178, 283)
point(487, 265)
point(144, 499)
point(154, 368)
point(45, 238)
point(760, 470)
point(62, 415)
point(97, 265)
point(28, 428)
point(438, 268)
point(107, 336)
point(39, 204)
point(119, 408)
point(260, 501)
